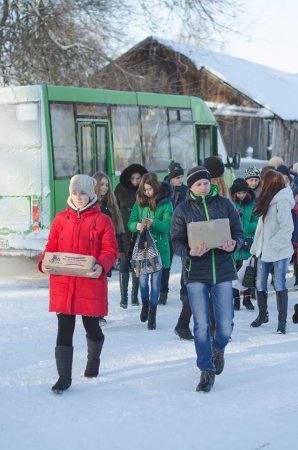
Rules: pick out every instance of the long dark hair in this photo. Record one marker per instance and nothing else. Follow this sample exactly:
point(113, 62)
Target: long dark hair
point(272, 184)
point(142, 200)
point(110, 200)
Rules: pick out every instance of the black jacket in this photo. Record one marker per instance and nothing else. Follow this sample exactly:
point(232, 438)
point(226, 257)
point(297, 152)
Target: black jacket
point(180, 193)
point(217, 265)
point(125, 194)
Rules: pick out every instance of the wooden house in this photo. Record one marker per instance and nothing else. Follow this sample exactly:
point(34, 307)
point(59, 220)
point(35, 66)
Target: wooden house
point(255, 106)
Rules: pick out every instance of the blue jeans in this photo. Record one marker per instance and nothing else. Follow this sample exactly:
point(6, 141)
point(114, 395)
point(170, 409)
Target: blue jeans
point(279, 274)
point(222, 300)
point(153, 296)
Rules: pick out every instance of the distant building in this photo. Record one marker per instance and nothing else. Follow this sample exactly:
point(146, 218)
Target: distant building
point(255, 106)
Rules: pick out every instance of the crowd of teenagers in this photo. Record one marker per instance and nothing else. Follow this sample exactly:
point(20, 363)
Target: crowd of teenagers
point(262, 209)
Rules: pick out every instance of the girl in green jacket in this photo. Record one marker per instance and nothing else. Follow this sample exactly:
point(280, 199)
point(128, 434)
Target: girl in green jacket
point(153, 208)
point(243, 198)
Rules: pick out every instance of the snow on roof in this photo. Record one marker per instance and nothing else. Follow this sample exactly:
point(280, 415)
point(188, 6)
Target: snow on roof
point(271, 88)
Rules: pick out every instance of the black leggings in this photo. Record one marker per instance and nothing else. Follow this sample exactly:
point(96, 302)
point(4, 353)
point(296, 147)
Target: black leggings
point(124, 264)
point(66, 327)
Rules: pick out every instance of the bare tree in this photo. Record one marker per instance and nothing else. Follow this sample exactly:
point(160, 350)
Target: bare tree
point(60, 42)
point(67, 42)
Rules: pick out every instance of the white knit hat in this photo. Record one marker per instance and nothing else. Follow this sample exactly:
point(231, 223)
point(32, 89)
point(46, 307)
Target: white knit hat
point(83, 183)
point(252, 172)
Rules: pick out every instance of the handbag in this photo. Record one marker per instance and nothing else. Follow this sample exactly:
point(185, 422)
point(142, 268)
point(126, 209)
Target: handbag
point(145, 256)
point(250, 274)
point(247, 243)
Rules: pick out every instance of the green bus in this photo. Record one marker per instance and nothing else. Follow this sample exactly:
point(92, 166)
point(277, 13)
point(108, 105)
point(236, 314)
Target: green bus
point(50, 133)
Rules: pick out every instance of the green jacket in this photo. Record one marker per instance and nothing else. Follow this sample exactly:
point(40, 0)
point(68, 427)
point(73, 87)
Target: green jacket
point(161, 224)
point(249, 224)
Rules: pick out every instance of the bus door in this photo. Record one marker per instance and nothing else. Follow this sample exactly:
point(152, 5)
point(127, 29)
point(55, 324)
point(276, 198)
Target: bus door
point(204, 142)
point(93, 146)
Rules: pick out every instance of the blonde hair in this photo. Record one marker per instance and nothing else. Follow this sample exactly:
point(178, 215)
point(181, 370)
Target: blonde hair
point(111, 201)
point(221, 185)
point(275, 162)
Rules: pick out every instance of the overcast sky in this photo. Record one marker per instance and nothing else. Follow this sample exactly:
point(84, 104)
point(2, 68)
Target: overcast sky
point(269, 34)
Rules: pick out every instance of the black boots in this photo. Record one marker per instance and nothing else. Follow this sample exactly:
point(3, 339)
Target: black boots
point(218, 360)
point(236, 303)
point(263, 316)
point(163, 298)
point(124, 278)
point(93, 357)
point(295, 315)
point(144, 311)
point(152, 317)
point(282, 308)
point(295, 266)
point(247, 302)
point(63, 355)
point(236, 296)
point(148, 312)
point(208, 376)
point(206, 381)
point(134, 289)
point(182, 328)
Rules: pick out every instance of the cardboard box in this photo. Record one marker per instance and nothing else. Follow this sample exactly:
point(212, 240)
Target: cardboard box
point(69, 264)
point(212, 233)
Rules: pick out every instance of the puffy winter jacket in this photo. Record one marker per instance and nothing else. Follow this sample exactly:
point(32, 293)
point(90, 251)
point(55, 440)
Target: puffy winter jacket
point(125, 194)
point(161, 224)
point(272, 241)
point(249, 222)
point(216, 265)
point(88, 233)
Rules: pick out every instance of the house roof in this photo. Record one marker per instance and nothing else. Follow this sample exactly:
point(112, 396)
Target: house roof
point(273, 89)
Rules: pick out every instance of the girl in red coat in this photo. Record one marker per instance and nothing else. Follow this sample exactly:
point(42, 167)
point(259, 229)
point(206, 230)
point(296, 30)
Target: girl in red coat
point(84, 230)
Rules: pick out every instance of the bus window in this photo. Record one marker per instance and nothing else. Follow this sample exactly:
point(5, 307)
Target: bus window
point(126, 136)
point(91, 111)
point(204, 142)
point(19, 125)
point(101, 147)
point(86, 149)
point(66, 162)
point(20, 155)
point(156, 148)
point(182, 144)
point(92, 140)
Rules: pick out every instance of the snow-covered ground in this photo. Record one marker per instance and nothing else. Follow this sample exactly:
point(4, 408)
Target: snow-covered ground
point(145, 395)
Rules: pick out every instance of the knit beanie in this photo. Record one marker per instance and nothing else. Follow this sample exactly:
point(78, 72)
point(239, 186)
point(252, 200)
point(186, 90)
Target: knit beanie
point(215, 166)
point(252, 172)
point(197, 173)
point(239, 185)
point(284, 170)
point(174, 170)
point(83, 183)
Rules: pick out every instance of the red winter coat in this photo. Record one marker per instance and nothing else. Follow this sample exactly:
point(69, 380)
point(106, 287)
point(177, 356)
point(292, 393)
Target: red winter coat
point(90, 234)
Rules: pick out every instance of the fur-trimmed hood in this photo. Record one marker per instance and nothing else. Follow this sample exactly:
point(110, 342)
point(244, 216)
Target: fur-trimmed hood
point(127, 173)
